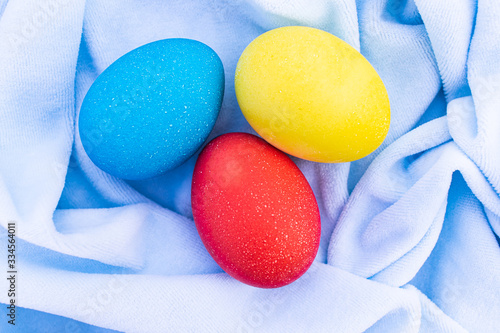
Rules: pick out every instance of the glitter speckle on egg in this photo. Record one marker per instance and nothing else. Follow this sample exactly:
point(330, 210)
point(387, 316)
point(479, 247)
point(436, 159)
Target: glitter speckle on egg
point(255, 211)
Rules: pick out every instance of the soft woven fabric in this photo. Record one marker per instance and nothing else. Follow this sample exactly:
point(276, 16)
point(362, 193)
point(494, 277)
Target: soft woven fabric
point(409, 234)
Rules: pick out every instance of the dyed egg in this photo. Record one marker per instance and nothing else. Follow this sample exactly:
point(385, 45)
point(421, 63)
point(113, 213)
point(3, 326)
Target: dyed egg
point(153, 108)
point(312, 95)
point(255, 211)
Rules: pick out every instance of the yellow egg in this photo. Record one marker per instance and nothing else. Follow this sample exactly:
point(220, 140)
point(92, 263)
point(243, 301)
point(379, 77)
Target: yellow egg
point(312, 95)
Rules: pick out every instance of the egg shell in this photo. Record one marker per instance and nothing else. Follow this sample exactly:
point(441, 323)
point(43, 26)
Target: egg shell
point(312, 95)
point(255, 211)
point(153, 108)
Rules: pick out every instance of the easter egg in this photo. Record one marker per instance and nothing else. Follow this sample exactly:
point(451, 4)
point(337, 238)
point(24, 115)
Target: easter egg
point(255, 211)
point(153, 108)
point(312, 95)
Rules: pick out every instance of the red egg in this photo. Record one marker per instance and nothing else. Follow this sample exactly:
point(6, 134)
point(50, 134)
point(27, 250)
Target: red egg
point(255, 211)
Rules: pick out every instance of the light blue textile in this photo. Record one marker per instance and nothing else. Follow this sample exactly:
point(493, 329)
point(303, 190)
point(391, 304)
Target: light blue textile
point(409, 234)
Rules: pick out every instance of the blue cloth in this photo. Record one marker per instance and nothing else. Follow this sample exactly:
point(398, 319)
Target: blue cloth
point(409, 234)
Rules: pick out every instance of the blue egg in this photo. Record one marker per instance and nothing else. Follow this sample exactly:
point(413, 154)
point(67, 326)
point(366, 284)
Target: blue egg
point(153, 108)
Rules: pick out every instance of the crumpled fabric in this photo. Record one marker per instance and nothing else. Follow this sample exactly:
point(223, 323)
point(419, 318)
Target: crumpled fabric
point(410, 234)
